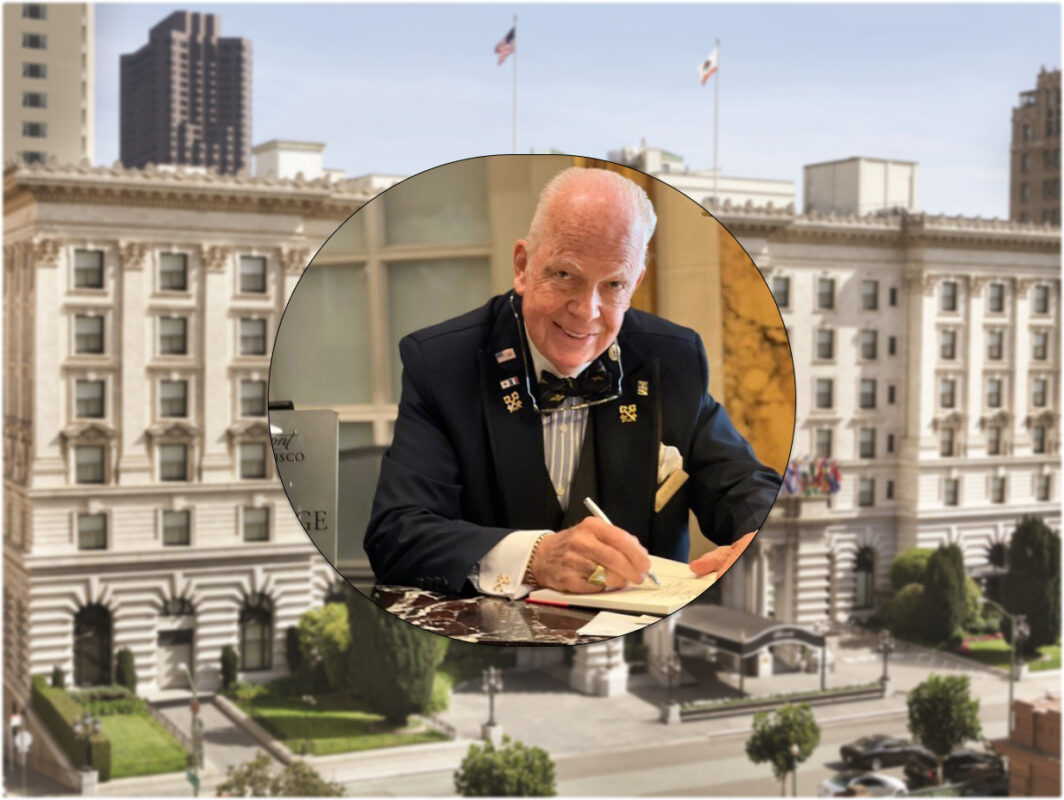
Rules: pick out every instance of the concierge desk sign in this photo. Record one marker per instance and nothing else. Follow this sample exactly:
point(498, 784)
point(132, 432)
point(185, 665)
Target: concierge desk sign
point(305, 448)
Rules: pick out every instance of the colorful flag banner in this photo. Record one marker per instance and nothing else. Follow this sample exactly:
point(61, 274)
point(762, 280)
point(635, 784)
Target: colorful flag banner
point(707, 67)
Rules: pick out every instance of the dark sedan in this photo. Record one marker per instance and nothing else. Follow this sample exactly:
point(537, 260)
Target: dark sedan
point(961, 766)
point(876, 752)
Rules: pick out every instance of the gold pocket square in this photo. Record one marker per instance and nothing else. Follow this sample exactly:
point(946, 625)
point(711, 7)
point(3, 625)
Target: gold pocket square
point(669, 488)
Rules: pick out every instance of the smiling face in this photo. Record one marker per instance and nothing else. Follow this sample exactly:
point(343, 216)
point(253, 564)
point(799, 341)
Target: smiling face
point(577, 276)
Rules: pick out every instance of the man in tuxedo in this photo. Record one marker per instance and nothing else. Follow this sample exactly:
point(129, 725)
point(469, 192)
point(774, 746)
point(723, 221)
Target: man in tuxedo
point(514, 413)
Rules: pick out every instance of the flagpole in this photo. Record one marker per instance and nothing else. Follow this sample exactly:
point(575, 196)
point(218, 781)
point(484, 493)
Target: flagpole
point(716, 125)
point(515, 84)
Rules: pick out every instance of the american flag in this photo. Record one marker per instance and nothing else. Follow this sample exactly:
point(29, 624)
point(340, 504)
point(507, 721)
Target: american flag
point(506, 45)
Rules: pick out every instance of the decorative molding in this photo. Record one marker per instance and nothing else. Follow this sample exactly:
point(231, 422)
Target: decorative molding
point(172, 430)
point(88, 433)
point(295, 259)
point(215, 257)
point(921, 282)
point(46, 252)
point(131, 255)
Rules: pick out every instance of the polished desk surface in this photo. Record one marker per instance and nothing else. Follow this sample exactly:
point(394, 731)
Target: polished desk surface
point(492, 620)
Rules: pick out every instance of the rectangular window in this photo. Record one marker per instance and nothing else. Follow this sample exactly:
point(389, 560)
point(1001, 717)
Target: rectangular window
point(893, 296)
point(825, 294)
point(866, 492)
point(825, 344)
point(173, 398)
point(997, 489)
point(781, 291)
point(994, 345)
point(173, 272)
point(252, 460)
point(256, 524)
point(1041, 487)
point(867, 447)
point(253, 274)
point(993, 441)
point(993, 393)
point(946, 397)
point(88, 334)
point(31, 70)
point(869, 345)
point(173, 462)
point(822, 447)
point(34, 130)
point(949, 296)
point(173, 338)
point(824, 393)
point(947, 345)
point(252, 398)
point(176, 529)
point(949, 491)
point(34, 11)
point(945, 442)
point(892, 346)
point(1039, 345)
point(868, 393)
point(88, 399)
point(1038, 439)
point(869, 295)
point(252, 337)
point(34, 41)
point(1025, 162)
point(88, 269)
point(996, 301)
point(88, 464)
point(890, 394)
point(890, 442)
point(34, 100)
point(1038, 392)
point(34, 156)
point(92, 531)
point(890, 490)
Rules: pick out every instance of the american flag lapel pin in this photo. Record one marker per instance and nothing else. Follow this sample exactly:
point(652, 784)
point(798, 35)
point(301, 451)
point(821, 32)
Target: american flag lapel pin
point(505, 355)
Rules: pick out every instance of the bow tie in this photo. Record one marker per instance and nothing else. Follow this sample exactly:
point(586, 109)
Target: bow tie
point(593, 385)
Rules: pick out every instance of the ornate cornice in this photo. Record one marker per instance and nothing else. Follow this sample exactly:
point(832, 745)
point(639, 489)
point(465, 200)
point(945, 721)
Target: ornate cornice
point(173, 430)
point(88, 433)
point(215, 257)
point(252, 429)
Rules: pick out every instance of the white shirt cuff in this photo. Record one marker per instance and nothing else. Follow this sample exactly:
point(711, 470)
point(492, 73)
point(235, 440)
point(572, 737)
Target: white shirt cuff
point(500, 571)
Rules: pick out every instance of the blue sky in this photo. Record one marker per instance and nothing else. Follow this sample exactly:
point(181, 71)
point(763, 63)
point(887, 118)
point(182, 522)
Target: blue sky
point(400, 88)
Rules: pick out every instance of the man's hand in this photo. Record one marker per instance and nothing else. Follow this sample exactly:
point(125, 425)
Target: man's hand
point(722, 558)
point(565, 559)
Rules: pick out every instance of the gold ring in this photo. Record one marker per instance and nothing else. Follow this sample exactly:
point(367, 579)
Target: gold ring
point(598, 577)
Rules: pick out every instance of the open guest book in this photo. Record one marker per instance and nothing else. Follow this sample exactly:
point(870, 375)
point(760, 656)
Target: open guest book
point(679, 586)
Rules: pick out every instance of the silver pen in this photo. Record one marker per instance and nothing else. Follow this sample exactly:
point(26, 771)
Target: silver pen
point(592, 506)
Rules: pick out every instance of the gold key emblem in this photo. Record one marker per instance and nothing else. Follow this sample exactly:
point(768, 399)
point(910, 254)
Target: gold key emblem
point(513, 401)
point(642, 388)
point(501, 582)
point(627, 413)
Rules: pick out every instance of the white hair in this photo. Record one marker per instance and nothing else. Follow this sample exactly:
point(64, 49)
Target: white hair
point(628, 191)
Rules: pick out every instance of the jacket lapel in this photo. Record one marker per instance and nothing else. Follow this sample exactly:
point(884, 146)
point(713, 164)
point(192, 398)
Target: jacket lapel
point(627, 432)
point(515, 432)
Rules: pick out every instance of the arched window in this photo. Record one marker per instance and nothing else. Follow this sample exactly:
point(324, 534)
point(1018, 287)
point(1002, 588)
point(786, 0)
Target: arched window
point(256, 632)
point(92, 646)
point(865, 572)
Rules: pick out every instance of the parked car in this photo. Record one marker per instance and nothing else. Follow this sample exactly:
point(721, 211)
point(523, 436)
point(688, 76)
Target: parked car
point(963, 765)
point(861, 784)
point(878, 751)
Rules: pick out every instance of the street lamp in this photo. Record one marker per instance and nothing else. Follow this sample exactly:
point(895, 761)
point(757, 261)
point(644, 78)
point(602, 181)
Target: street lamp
point(794, 769)
point(1020, 630)
point(194, 707)
point(311, 701)
point(491, 682)
point(87, 726)
point(886, 646)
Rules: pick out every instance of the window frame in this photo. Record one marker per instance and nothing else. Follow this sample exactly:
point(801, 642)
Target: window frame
point(949, 301)
point(242, 338)
point(248, 512)
point(241, 288)
point(165, 271)
point(79, 350)
point(171, 476)
point(78, 384)
point(80, 534)
point(85, 448)
point(183, 513)
point(866, 442)
point(867, 401)
point(825, 288)
point(818, 394)
point(167, 341)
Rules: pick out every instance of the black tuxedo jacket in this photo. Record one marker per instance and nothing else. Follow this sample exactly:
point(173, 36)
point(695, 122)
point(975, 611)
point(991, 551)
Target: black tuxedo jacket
point(466, 464)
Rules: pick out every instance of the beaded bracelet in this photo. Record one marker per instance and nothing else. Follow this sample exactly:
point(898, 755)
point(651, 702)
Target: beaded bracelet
point(528, 580)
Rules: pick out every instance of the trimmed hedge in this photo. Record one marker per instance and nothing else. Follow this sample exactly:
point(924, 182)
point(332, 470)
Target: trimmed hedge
point(58, 710)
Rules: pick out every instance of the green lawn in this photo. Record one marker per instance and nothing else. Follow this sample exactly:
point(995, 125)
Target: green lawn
point(995, 652)
point(336, 725)
point(141, 746)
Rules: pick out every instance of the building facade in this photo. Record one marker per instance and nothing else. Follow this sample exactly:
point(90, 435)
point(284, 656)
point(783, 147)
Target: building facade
point(141, 507)
point(860, 186)
point(48, 82)
point(1034, 158)
point(186, 97)
point(1033, 747)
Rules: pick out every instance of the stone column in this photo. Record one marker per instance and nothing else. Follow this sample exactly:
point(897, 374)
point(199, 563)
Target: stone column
point(217, 334)
point(600, 669)
point(133, 334)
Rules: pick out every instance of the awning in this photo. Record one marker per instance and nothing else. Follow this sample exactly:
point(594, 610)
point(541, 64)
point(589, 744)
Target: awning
point(738, 632)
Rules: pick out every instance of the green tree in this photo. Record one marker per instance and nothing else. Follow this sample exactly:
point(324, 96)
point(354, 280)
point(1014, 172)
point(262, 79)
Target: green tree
point(973, 605)
point(909, 567)
point(773, 736)
point(230, 662)
point(944, 597)
point(513, 770)
point(392, 662)
point(126, 670)
point(905, 612)
point(1032, 584)
point(292, 654)
point(255, 779)
point(943, 715)
point(324, 639)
